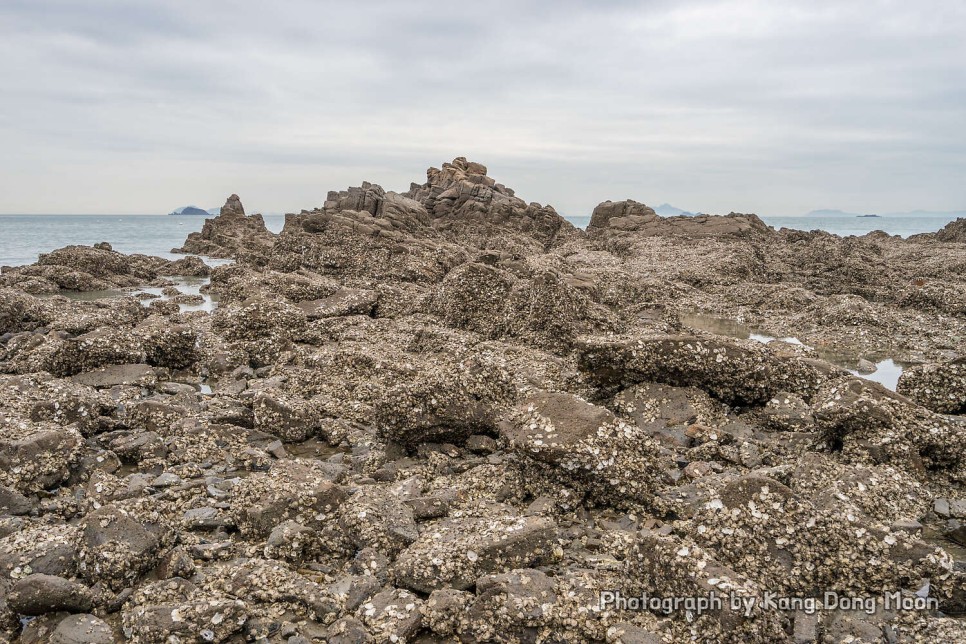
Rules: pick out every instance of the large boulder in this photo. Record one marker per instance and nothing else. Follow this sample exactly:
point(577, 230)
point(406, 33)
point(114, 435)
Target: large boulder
point(299, 491)
point(456, 552)
point(38, 594)
point(544, 309)
point(621, 214)
point(116, 548)
point(939, 387)
point(98, 348)
point(587, 446)
point(37, 456)
point(20, 312)
point(733, 372)
point(870, 424)
point(39, 548)
point(374, 518)
point(177, 610)
point(448, 403)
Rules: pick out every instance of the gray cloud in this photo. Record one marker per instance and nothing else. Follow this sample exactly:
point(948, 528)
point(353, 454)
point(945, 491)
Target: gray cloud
point(770, 107)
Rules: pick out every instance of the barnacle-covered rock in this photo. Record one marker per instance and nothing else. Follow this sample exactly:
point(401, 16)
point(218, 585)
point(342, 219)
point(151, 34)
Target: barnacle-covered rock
point(571, 439)
point(455, 552)
point(732, 372)
point(939, 387)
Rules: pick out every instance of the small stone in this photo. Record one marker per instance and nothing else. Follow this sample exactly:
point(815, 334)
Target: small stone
point(941, 507)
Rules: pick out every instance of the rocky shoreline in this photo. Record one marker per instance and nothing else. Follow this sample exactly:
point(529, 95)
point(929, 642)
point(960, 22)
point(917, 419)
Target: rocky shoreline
point(449, 415)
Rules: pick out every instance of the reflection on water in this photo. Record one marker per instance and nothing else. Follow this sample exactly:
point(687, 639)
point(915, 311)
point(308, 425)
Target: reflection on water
point(886, 372)
point(186, 285)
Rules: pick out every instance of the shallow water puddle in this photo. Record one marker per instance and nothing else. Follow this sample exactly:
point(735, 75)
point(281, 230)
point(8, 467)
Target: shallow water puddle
point(187, 286)
point(886, 372)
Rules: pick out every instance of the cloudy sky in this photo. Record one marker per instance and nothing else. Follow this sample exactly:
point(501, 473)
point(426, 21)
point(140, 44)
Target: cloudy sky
point(771, 106)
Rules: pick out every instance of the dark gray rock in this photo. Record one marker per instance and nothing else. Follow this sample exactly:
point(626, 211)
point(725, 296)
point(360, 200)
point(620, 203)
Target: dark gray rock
point(38, 594)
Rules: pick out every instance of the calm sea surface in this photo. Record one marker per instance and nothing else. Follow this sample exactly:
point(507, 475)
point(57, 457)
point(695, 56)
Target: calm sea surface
point(23, 237)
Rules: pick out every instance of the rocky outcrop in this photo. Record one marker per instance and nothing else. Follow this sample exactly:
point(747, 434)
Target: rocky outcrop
point(954, 231)
point(96, 268)
point(622, 215)
point(231, 235)
point(631, 216)
point(462, 200)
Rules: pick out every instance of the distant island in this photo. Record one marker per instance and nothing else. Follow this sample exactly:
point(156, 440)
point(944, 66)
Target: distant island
point(667, 210)
point(194, 210)
point(828, 212)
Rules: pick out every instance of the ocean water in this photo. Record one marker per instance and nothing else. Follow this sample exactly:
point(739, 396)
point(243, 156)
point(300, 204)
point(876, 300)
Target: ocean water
point(24, 237)
point(902, 225)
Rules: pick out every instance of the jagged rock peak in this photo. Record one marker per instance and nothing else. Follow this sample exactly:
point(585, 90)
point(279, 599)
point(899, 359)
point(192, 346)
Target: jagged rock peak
point(233, 207)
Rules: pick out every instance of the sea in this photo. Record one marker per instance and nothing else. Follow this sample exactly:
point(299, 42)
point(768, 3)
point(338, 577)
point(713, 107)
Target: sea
point(24, 237)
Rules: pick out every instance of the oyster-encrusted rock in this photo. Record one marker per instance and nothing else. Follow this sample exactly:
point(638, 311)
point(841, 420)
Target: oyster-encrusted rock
point(727, 370)
point(616, 462)
point(455, 552)
point(939, 387)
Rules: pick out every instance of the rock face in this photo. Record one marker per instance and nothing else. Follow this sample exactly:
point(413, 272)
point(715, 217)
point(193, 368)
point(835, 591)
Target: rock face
point(631, 216)
point(231, 235)
point(448, 415)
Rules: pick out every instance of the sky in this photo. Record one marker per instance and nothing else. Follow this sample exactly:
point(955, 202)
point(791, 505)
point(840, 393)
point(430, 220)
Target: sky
point(765, 106)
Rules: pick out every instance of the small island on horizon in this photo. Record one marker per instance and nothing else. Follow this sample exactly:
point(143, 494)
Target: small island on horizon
point(193, 211)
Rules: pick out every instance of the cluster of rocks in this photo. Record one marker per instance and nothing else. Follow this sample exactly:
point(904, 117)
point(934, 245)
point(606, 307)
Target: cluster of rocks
point(95, 268)
point(231, 234)
point(448, 415)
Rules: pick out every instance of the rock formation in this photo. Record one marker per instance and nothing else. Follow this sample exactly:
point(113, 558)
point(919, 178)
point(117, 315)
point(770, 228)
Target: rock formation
point(231, 235)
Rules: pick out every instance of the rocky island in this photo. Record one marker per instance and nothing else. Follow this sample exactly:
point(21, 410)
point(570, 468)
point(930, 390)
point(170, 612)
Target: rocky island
point(448, 415)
